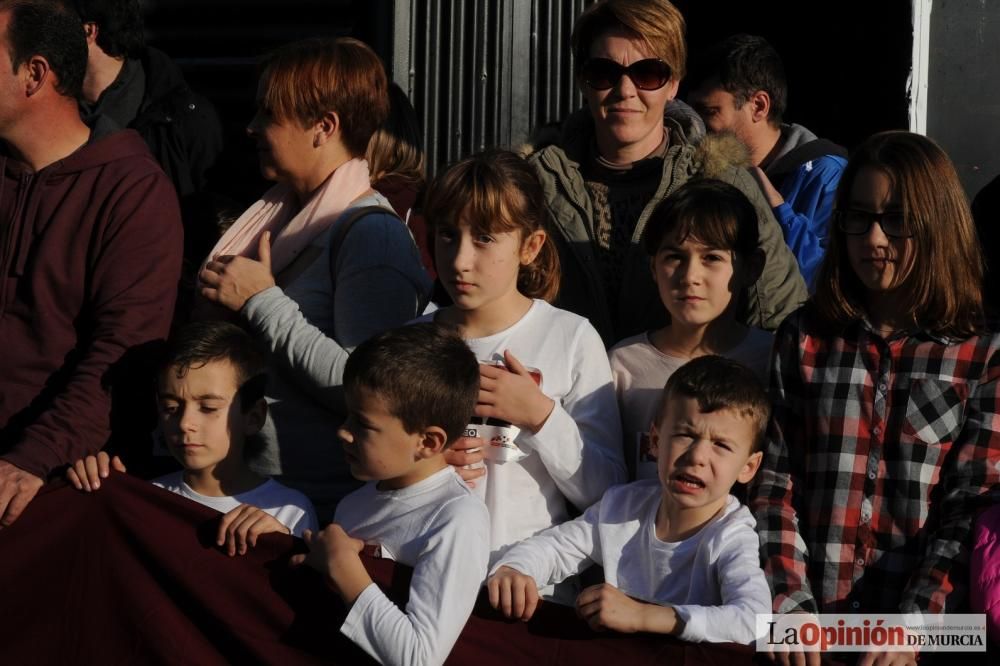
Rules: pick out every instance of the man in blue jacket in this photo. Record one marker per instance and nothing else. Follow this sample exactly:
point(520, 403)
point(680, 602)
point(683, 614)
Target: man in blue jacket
point(739, 86)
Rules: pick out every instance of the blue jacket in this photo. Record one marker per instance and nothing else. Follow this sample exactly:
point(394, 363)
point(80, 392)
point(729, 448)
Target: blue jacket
point(806, 171)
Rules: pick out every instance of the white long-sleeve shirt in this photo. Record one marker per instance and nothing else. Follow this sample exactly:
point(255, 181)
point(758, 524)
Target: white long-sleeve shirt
point(577, 454)
point(290, 507)
point(441, 530)
point(640, 371)
point(712, 579)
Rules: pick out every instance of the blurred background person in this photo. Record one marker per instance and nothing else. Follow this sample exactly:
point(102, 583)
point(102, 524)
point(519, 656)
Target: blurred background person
point(397, 164)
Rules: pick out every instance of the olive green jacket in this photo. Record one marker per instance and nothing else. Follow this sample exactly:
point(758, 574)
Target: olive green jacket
point(778, 292)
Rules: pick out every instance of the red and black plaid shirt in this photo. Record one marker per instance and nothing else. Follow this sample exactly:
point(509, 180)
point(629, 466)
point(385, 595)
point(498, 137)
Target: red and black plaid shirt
point(879, 453)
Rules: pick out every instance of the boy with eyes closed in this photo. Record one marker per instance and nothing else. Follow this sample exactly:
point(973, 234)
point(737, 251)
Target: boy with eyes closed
point(211, 398)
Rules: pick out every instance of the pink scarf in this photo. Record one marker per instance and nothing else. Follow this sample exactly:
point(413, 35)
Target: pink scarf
point(292, 231)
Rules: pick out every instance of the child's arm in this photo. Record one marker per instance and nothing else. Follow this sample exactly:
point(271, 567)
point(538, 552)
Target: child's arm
point(604, 606)
point(972, 469)
point(239, 528)
point(86, 474)
point(513, 593)
point(580, 441)
point(782, 548)
point(742, 587)
point(336, 555)
point(548, 557)
point(446, 579)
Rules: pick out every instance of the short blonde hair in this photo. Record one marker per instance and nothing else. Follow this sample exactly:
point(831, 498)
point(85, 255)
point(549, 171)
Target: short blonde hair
point(657, 23)
point(306, 79)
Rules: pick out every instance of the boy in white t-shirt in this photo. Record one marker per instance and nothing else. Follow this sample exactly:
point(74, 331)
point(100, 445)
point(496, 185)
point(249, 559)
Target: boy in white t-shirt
point(704, 254)
point(211, 398)
point(680, 554)
point(410, 393)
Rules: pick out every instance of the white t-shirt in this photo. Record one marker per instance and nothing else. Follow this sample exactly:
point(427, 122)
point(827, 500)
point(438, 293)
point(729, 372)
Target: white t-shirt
point(640, 372)
point(577, 454)
point(712, 579)
point(441, 530)
point(290, 507)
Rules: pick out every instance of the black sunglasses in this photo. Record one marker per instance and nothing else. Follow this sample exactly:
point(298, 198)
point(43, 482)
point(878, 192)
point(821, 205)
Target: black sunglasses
point(858, 222)
point(604, 73)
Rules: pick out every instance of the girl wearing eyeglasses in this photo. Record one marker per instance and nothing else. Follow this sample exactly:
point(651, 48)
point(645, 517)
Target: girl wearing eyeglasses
point(625, 152)
point(886, 422)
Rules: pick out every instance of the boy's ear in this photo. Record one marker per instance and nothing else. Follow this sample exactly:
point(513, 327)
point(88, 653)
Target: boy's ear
point(750, 468)
point(433, 441)
point(255, 417)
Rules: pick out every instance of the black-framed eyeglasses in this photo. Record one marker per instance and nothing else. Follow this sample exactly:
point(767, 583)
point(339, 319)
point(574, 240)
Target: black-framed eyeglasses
point(604, 73)
point(858, 222)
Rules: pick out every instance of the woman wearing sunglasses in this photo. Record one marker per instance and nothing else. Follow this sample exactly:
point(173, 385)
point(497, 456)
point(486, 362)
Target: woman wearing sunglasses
point(618, 157)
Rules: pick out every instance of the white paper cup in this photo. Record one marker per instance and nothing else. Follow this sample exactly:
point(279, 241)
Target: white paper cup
point(499, 438)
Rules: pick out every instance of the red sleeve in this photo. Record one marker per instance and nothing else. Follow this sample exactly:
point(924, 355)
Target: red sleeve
point(783, 551)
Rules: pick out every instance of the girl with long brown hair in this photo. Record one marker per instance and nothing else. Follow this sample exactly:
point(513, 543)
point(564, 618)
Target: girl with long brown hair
point(885, 434)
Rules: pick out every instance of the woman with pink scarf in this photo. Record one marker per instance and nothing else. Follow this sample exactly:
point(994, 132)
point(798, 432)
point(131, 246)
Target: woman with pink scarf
point(308, 291)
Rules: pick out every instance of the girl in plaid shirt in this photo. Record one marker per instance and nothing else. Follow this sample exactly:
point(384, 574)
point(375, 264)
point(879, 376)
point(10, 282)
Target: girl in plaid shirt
point(886, 427)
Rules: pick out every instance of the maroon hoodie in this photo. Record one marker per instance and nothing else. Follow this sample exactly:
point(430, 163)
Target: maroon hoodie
point(90, 254)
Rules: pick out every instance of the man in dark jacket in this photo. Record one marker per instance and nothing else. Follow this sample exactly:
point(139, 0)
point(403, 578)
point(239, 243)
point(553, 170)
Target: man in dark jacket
point(90, 250)
point(142, 88)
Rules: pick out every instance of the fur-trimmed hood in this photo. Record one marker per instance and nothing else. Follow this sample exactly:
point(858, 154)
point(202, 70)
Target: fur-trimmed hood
point(717, 153)
point(713, 155)
point(685, 125)
point(637, 306)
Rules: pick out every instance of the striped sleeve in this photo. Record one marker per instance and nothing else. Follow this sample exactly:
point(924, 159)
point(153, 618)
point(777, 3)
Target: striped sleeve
point(773, 497)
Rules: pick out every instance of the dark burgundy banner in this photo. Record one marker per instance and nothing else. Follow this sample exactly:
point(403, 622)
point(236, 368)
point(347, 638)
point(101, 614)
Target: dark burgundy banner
point(130, 575)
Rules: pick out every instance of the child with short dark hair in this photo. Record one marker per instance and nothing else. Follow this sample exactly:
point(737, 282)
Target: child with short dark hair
point(679, 554)
point(410, 393)
point(211, 398)
point(703, 246)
